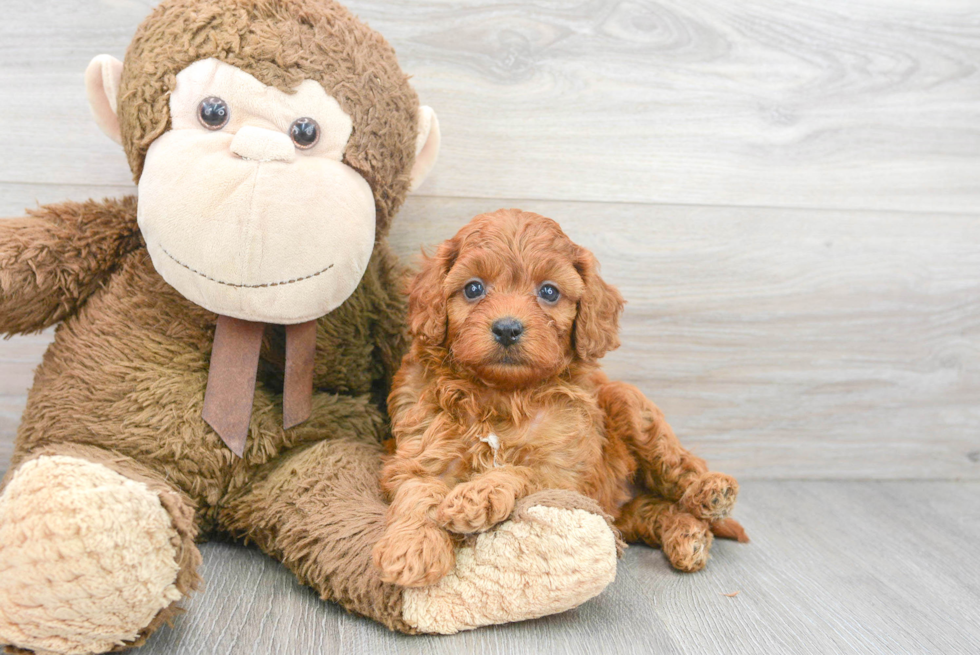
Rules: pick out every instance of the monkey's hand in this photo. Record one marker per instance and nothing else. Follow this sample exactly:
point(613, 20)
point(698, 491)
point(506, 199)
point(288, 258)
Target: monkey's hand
point(52, 260)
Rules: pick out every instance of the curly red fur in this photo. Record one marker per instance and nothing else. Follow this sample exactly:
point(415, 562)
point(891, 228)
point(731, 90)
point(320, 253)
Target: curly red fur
point(479, 423)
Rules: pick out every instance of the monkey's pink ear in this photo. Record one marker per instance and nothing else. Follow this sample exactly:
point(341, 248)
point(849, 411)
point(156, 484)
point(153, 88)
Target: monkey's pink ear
point(426, 146)
point(102, 86)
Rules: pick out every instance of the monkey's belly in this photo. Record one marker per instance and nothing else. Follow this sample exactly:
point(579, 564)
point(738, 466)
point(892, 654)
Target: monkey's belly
point(128, 374)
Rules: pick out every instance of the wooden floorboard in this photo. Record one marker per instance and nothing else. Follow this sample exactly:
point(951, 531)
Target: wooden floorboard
point(839, 103)
point(780, 343)
point(834, 567)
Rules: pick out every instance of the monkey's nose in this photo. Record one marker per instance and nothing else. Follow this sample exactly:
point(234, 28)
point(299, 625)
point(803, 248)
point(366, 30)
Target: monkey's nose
point(260, 144)
point(507, 331)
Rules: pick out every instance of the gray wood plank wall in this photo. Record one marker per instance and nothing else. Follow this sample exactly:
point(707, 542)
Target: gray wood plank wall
point(786, 192)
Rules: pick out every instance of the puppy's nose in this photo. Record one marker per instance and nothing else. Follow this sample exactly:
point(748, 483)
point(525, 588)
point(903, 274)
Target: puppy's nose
point(507, 331)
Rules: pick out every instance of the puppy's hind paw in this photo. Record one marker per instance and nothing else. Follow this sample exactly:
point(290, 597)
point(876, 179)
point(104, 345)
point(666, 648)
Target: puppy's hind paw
point(711, 497)
point(686, 543)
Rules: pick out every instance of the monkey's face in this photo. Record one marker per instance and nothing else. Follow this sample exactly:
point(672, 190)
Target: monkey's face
point(260, 199)
point(245, 203)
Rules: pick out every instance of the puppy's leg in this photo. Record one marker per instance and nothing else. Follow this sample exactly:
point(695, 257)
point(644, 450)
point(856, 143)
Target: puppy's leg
point(684, 538)
point(413, 551)
point(667, 468)
point(484, 501)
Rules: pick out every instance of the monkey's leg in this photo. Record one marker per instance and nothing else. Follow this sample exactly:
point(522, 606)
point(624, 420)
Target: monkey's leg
point(684, 538)
point(666, 467)
point(95, 552)
point(319, 511)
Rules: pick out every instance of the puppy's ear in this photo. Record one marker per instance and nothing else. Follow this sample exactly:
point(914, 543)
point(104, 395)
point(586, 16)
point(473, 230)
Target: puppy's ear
point(596, 329)
point(427, 295)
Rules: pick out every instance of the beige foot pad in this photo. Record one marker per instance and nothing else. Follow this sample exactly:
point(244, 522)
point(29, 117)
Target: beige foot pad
point(543, 561)
point(87, 557)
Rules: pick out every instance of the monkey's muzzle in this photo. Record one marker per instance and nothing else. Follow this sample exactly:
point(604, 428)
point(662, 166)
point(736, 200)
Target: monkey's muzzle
point(264, 239)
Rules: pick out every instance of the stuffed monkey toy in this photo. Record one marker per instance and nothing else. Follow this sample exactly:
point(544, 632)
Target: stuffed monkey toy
point(225, 344)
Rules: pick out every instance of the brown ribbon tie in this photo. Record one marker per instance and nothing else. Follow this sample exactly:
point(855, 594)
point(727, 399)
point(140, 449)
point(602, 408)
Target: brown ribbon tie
point(231, 378)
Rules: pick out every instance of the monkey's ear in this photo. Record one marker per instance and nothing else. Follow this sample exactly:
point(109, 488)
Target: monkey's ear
point(426, 146)
point(102, 86)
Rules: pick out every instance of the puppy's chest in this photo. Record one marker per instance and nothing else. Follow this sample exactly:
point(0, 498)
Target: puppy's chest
point(563, 437)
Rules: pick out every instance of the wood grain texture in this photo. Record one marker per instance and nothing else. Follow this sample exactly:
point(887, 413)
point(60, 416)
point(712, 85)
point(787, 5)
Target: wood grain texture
point(780, 344)
point(840, 103)
point(834, 567)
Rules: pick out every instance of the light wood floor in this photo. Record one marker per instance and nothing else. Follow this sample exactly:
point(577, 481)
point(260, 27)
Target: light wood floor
point(788, 194)
point(834, 567)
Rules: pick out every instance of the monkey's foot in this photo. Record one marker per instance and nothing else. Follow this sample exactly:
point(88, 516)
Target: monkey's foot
point(555, 552)
point(88, 558)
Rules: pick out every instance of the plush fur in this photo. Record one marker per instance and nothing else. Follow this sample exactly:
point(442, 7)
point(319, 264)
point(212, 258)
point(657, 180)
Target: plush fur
point(479, 424)
point(121, 388)
point(68, 498)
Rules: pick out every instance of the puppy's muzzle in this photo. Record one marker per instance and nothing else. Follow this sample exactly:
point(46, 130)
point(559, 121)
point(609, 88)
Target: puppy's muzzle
point(507, 331)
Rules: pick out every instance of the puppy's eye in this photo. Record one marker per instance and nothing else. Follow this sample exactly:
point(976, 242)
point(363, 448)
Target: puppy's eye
point(549, 293)
point(474, 289)
point(213, 113)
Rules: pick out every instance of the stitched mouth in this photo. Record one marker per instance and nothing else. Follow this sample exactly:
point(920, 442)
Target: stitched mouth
point(245, 286)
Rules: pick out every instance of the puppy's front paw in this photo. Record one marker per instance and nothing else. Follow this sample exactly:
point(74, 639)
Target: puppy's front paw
point(476, 506)
point(414, 557)
point(711, 497)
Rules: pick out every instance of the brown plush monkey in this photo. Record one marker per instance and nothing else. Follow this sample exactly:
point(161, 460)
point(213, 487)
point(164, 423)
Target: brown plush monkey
point(272, 141)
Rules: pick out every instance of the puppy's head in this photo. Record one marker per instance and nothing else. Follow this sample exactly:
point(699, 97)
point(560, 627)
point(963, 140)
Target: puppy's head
point(513, 300)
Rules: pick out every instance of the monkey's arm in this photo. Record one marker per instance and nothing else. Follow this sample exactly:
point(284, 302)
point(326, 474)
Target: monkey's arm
point(53, 259)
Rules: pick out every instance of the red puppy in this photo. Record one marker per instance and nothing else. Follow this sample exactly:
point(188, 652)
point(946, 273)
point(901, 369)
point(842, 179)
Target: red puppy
point(501, 396)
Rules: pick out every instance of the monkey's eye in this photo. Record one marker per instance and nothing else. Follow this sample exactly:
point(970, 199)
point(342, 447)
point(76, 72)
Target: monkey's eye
point(213, 113)
point(474, 289)
point(304, 133)
point(549, 293)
